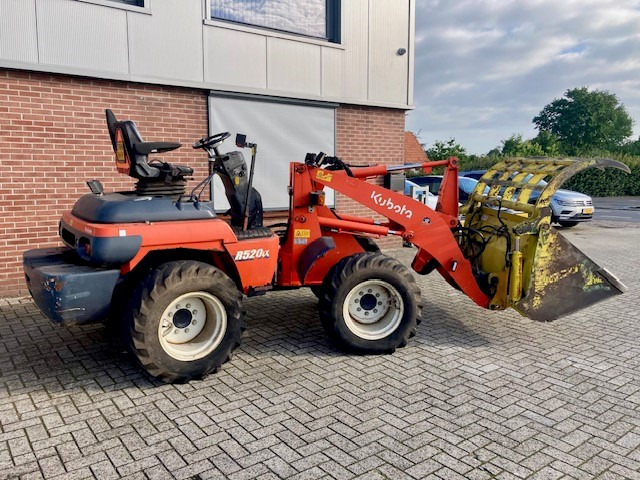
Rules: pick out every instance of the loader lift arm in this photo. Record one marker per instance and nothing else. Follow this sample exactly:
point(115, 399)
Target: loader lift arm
point(431, 231)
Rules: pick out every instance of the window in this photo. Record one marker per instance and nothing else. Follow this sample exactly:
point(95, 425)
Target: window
point(312, 18)
point(135, 3)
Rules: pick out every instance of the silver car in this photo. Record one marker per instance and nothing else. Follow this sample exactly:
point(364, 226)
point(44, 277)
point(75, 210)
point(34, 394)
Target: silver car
point(569, 208)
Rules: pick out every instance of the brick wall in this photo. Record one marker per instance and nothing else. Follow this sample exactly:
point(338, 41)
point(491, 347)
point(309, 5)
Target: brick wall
point(53, 137)
point(369, 135)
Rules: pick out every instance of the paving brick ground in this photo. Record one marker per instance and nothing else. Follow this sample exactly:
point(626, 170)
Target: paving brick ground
point(475, 395)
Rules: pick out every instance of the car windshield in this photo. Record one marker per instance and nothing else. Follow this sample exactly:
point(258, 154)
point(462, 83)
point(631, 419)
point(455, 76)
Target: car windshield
point(467, 185)
point(426, 181)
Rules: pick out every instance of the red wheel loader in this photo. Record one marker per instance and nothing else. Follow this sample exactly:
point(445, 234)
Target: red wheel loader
point(171, 276)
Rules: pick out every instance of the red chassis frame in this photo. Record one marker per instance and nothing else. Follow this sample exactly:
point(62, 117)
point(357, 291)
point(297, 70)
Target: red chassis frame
point(429, 230)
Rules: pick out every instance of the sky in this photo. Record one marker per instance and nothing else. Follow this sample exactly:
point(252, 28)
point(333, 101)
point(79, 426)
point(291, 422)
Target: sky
point(485, 68)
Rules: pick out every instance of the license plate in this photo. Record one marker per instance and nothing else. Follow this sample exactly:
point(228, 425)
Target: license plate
point(587, 210)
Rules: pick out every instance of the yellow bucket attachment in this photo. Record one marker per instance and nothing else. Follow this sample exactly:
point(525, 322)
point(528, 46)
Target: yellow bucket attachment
point(519, 258)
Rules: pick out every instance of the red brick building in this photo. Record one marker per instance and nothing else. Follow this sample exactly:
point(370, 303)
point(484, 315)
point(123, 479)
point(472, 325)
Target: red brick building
point(348, 92)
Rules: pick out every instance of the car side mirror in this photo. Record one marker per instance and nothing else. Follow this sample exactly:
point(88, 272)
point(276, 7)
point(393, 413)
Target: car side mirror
point(241, 140)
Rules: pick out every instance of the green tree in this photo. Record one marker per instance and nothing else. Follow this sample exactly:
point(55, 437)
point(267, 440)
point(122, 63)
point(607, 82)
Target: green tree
point(586, 120)
point(549, 143)
point(631, 148)
point(515, 146)
point(443, 150)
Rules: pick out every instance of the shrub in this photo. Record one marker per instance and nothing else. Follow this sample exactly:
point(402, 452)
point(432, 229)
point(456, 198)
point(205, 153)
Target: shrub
point(608, 182)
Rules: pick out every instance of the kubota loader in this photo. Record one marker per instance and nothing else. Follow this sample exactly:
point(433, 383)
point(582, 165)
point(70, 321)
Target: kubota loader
point(170, 275)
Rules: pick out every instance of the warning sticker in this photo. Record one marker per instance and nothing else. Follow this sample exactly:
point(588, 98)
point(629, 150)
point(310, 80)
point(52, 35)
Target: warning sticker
point(120, 152)
point(324, 176)
point(301, 233)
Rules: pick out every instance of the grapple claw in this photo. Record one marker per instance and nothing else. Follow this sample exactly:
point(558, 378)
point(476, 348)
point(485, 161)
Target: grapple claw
point(525, 263)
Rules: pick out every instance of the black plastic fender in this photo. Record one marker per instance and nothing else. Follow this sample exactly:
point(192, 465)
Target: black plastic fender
point(312, 254)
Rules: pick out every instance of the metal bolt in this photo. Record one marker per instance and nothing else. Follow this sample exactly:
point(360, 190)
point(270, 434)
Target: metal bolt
point(188, 305)
point(366, 313)
point(178, 306)
point(194, 322)
point(176, 331)
point(369, 291)
point(359, 309)
point(375, 310)
point(170, 314)
point(195, 311)
point(357, 301)
point(377, 294)
point(360, 293)
point(186, 330)
point(379, 303)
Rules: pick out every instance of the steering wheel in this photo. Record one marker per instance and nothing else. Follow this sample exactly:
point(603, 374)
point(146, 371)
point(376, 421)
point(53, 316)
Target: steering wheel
point(212, 141)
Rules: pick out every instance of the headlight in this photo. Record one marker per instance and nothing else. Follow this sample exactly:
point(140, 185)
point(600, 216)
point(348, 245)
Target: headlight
point(562, 202)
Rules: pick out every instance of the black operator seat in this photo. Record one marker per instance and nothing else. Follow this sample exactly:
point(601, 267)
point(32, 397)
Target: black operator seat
point(132, 153)
point(159, 194)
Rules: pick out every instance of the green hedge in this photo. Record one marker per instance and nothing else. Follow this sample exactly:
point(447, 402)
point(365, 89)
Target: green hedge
point(609, 182)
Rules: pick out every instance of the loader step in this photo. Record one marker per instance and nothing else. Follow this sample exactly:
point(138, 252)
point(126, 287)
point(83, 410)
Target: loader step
point(259, 232)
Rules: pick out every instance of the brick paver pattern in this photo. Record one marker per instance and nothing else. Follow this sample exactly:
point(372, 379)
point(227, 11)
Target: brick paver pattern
point(476, 394)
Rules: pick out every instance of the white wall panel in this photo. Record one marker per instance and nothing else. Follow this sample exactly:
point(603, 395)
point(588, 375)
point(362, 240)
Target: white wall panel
point(412, 52)
point(388, 31)
point(344, 72)
point(173, 43)
point(293, 66)
point(167, 43)
point(18, 37)
point(82, 35)
point(235, 58)
point(284, 133)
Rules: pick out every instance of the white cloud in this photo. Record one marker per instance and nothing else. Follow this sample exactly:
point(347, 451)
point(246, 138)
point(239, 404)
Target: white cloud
point(485, 68)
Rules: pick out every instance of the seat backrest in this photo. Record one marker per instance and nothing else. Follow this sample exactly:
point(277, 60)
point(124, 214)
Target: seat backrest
point(124, 135)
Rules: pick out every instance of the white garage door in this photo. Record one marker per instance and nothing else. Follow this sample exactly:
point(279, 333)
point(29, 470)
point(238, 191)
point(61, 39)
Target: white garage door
point(284, 132)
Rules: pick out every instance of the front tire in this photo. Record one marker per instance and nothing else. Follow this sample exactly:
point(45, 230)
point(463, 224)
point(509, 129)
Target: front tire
point(367, 244)
point(371, 304)
point(184, 321)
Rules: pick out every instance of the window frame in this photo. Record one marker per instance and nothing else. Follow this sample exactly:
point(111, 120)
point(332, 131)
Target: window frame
point(146, 9)
point(334, 25)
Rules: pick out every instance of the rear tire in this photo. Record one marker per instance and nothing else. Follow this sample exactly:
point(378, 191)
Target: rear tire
point(371, 304)
point(184, 320)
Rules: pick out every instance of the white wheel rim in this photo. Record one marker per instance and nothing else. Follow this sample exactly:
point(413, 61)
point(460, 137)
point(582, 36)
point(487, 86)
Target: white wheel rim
point(192, 326)
point(373, 309)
